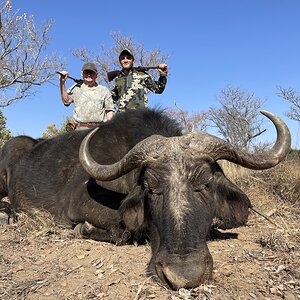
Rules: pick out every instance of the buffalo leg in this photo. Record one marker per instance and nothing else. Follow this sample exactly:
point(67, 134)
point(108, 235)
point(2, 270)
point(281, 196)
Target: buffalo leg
point(95, 210)
point(114, 235)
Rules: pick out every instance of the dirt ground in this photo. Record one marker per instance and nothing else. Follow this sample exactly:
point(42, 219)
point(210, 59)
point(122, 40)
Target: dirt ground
point(47, 262)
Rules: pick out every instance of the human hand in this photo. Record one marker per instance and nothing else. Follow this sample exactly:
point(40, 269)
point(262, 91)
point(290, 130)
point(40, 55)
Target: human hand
point(163, 69)
point(63, 75)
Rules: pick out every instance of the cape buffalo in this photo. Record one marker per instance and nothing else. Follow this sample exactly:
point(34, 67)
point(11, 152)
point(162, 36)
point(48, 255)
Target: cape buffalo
point(137, 175)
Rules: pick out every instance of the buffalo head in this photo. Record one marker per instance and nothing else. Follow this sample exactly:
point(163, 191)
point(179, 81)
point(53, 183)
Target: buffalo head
point(182, 190)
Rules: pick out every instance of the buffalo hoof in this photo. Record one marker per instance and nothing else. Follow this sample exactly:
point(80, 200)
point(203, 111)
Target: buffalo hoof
point(7, 214)
point(6, 219)
point(80, 231)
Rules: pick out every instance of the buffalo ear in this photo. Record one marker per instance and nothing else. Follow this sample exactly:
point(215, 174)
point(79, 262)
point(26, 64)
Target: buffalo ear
point(231, 203)
point(132, 210)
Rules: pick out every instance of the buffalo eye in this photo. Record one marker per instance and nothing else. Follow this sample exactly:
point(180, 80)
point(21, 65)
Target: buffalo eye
point(153, 183)
point(203, 186)
point(154, 190)
point(200, 188)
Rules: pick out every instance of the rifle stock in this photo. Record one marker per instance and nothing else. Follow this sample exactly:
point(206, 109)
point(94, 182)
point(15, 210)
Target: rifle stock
point(113, 74)
point(79, 81)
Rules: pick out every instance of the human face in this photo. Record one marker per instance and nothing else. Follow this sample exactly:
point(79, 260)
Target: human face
point(89, 77)
point(126, 61)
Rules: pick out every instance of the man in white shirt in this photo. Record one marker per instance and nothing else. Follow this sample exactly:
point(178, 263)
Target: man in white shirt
point(93, 103)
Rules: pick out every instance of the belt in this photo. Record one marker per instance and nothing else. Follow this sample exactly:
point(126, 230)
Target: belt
point(90, 124)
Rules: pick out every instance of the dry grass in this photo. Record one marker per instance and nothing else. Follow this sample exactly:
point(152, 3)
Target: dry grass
point(281, 183)
point(36, 220)
point(276, 192)
point(40, 260)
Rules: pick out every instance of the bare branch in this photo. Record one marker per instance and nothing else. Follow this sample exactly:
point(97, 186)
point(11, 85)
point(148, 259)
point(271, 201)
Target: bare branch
point(183, 114)
point(293, 97)
point(190, 122)
point(108, 59)
point(258, 134)
point(237, 119)
point(22, 60)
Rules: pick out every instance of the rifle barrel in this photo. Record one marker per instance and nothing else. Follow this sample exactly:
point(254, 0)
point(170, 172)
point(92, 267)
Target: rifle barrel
point(147, 68)
point(111, 75)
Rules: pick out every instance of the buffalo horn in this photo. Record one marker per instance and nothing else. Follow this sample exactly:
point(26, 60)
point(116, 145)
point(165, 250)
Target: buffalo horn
point(218, 149)
point(149, 149)
point(153, 147)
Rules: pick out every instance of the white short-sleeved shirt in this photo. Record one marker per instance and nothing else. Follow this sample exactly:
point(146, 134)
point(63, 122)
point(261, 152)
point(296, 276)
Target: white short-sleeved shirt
point(90, 103)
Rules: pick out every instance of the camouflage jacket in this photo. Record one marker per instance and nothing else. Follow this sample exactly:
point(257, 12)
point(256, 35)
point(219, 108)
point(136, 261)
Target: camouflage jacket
point(131, 91)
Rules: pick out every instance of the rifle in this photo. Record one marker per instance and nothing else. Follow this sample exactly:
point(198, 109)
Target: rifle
point(78, 81)
point(113, 74)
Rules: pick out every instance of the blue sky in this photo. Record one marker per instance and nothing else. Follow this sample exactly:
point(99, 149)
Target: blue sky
point(253, 45)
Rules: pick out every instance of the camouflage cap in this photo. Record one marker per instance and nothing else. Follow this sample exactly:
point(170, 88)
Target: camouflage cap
point(89, 67)
point(126, 51)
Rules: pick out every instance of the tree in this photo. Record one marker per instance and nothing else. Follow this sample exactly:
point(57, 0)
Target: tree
point(293, 97)
point(5, 133)
point(108, 59)
point(237, 120)
point(22, 61)
point(52, 130)
point(190, 122)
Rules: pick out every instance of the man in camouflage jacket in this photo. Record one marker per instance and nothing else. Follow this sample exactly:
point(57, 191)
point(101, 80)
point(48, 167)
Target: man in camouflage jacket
point(131, 86)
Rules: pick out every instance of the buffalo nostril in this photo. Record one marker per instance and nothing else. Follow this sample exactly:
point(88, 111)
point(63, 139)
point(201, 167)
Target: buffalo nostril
point(160, 271)
point(174, 279)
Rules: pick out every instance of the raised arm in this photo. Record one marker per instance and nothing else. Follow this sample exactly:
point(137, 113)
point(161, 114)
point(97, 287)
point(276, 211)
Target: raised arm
point(158, 86)
point(63, 91)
